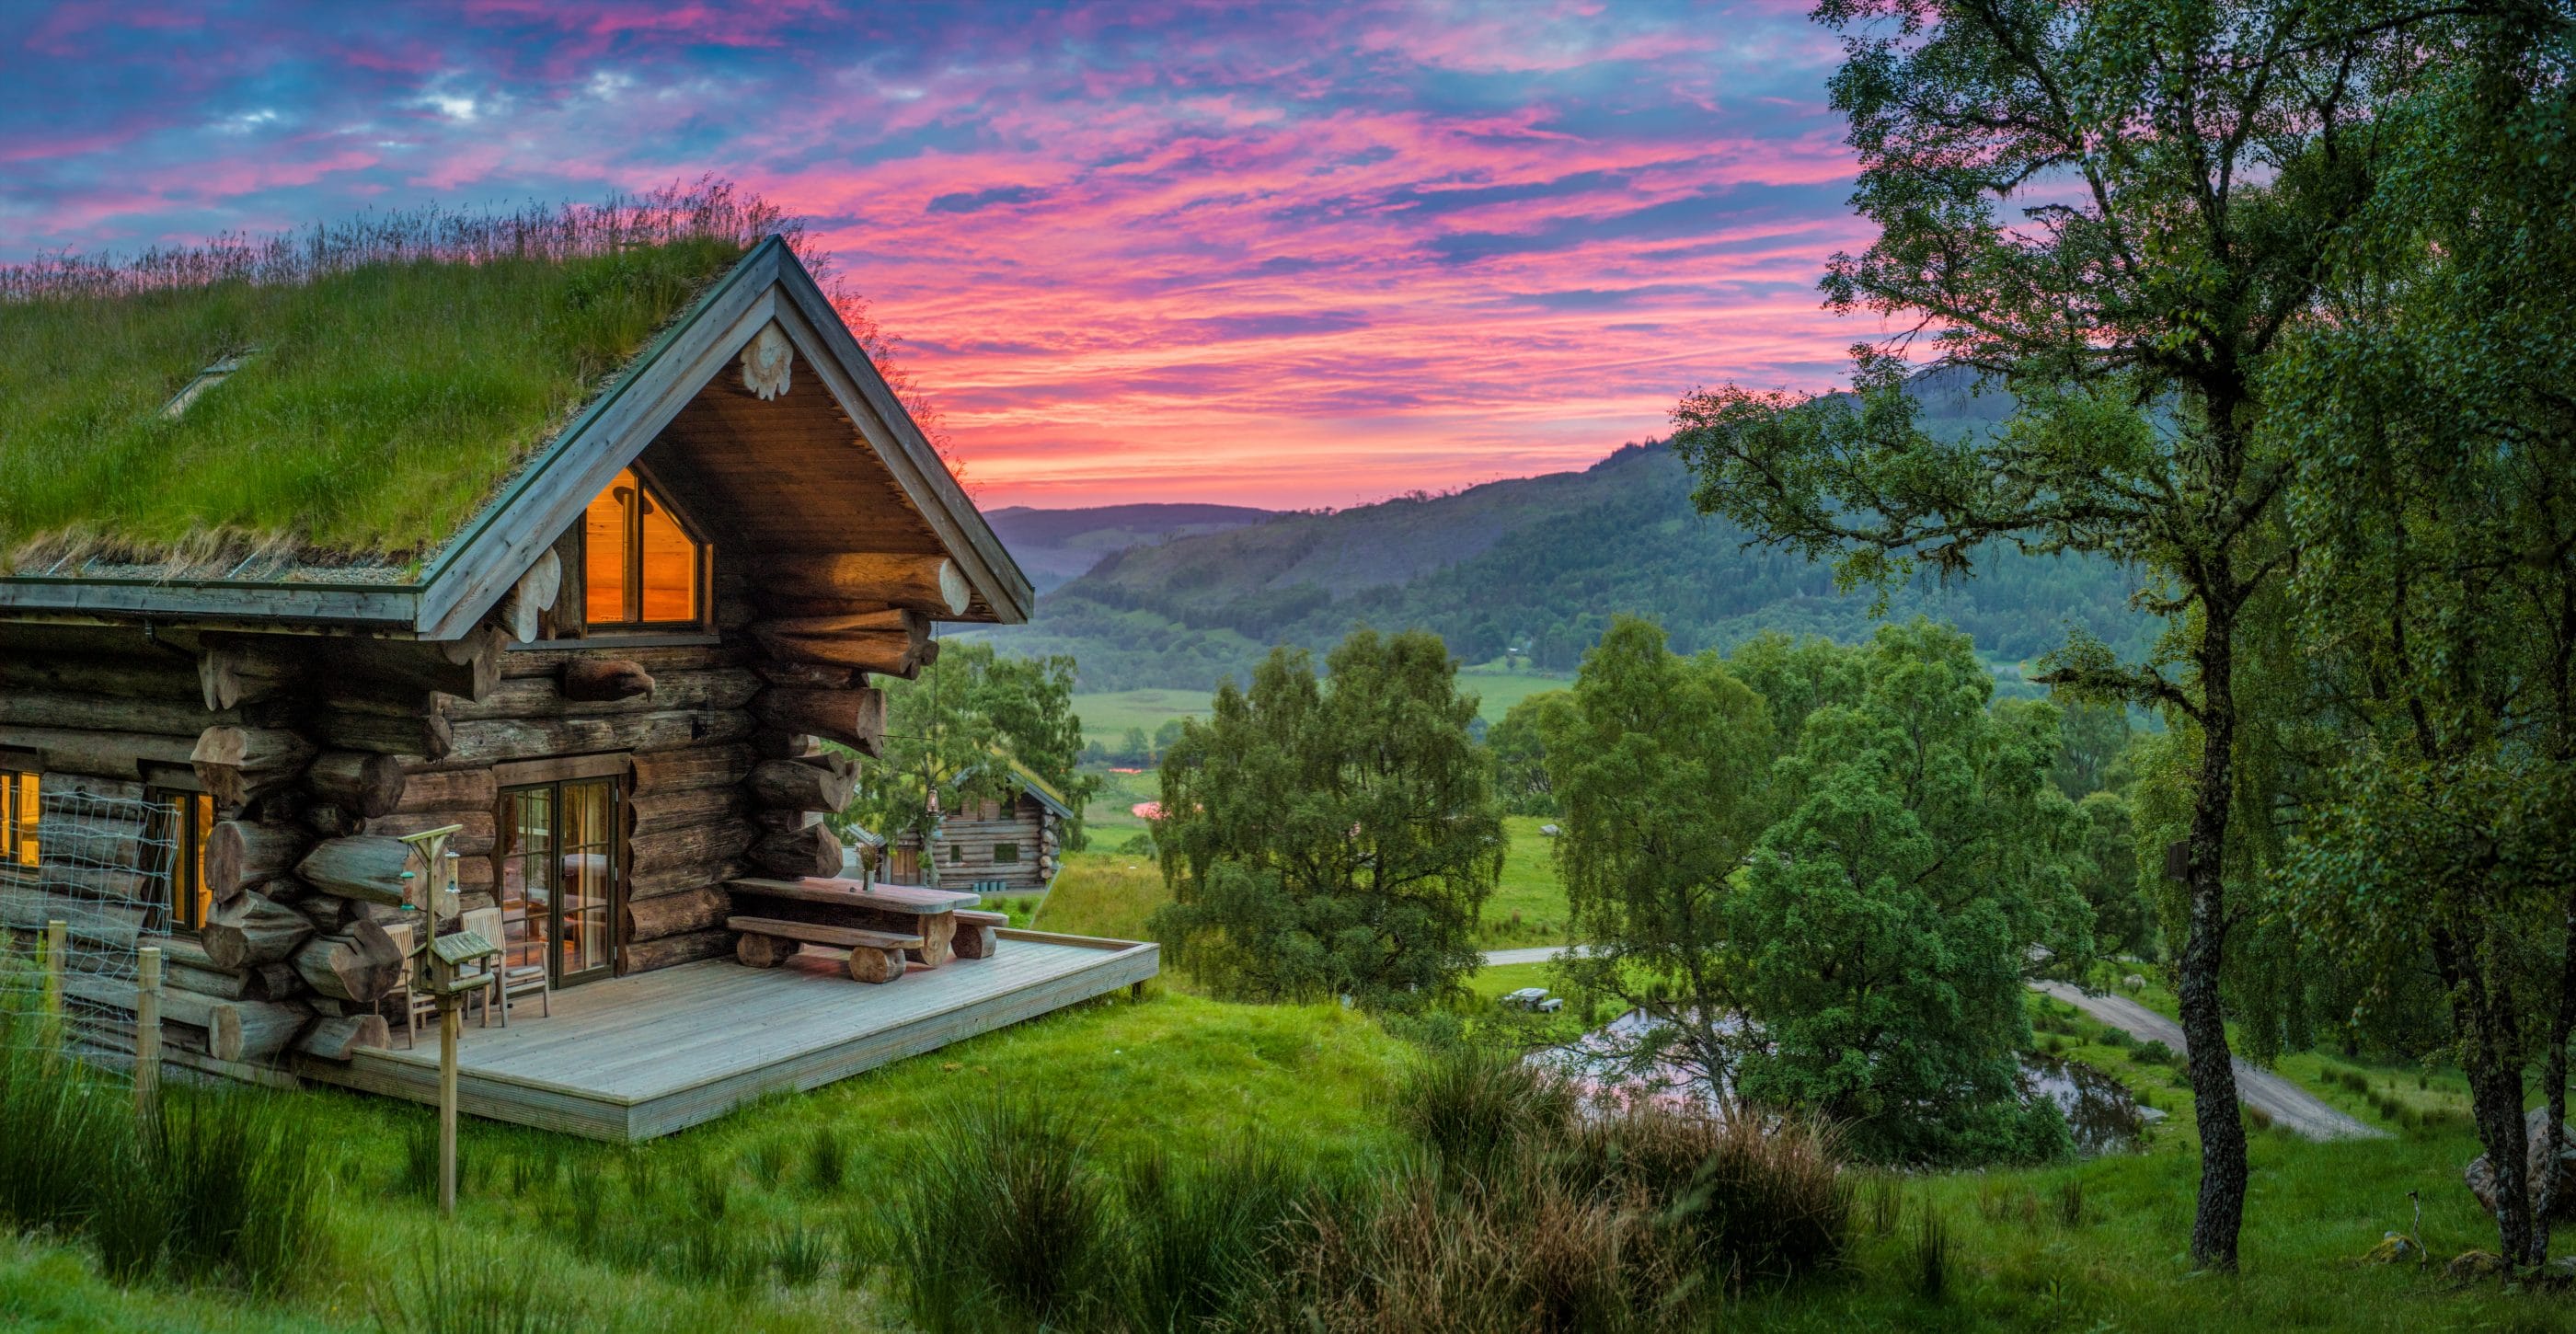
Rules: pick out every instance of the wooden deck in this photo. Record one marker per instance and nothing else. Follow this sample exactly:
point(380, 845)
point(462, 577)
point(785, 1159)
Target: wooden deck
point(643, 1056)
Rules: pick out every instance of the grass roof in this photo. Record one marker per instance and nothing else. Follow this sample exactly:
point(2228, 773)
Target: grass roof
point(397, 372)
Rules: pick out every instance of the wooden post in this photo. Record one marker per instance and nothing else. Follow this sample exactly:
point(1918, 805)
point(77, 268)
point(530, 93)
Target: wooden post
point(147, 1033)
point(58, 934)
point(449, 1024)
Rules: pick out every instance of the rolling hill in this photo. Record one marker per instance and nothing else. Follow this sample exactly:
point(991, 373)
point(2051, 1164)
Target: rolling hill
point(1054, 546)
point(1532, 566)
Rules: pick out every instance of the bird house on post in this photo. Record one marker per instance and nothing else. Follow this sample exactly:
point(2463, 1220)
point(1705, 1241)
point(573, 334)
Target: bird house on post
point(436, 961)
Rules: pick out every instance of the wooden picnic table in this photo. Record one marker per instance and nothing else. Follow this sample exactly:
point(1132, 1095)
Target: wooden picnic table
point(907, 910)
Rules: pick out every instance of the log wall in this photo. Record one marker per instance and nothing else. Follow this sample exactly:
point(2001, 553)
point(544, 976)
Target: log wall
point(320, 752)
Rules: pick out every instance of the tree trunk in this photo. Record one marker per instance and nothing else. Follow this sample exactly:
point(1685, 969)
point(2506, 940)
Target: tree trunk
point(677, 914)
point(240, 854)
point(924, 583)
point(424, 732)
point(758, 951)
point(2220, 1213)
point(2554, 1086)
point(364, 965)
point(96, 754)
point(236, 764)
point(888, 643)
point(790, 854)
point(369, 784)
point(692, 768)
point(855, 717)
point(366, 867)
point(797, 785)
point(338, 1039)
point(252, 930)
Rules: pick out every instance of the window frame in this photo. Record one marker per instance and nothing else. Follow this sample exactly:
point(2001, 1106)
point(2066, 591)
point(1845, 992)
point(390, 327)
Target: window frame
point(183, 881)
point(1010, 845)
point(16, 856)
point(633, 581)
point(504, 847)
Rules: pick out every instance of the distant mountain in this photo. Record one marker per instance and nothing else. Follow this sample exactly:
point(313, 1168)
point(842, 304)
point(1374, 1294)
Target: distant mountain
point(1533, 566)
point(1054, 546)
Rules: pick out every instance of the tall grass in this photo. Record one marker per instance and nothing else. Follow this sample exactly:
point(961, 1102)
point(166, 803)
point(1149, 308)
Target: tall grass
point(1197, 1232)
point(218, 1186)
point(1003, 1220)
point(460, 1285)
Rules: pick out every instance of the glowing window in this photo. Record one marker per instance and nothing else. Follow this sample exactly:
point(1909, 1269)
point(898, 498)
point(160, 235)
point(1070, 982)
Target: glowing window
point(182, 822)
point(21, 801)
point(640, 567)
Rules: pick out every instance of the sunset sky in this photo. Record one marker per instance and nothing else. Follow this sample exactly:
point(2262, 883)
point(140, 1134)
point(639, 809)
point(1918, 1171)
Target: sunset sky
point(1281, 255)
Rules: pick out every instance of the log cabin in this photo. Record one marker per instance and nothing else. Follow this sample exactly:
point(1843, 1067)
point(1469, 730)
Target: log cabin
point(990, 846)
point(613, 677)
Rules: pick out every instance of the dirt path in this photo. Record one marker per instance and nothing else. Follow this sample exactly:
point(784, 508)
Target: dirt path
point(1534, 954)
point(2290, 1107)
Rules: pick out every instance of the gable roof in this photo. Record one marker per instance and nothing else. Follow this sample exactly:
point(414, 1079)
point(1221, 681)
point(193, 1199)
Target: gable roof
point(844, 398)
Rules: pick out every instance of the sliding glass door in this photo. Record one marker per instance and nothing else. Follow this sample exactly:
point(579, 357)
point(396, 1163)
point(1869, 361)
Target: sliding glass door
point(559, 876)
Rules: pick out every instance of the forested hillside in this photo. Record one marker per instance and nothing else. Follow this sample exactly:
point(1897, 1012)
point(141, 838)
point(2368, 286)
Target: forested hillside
point(1053, 546)
point(1536, 565)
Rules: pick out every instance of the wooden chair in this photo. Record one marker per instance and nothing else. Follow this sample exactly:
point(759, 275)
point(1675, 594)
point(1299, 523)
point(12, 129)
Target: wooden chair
point(515, 979)
point(414, 1004)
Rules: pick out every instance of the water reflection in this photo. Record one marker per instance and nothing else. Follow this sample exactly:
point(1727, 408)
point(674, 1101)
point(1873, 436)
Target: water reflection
point(2100, 1111)
point(2101, 1114)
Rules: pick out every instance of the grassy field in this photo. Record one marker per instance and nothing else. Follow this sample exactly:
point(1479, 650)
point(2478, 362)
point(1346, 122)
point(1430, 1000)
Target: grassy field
point(1106, 715)
point(1104, 892)
point(742, 1224)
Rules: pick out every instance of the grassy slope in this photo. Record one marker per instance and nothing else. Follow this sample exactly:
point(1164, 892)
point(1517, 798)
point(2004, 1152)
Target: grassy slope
point(386, 404)
point(1172, 1072)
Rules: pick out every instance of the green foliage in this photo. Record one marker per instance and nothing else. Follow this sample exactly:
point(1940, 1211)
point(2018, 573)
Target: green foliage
point(959, 728)
point(2124, 922)
point(1519, 746)
point(1661, 767)
point(2092, 739)
point(1885, 920)
point(1335, 837)
point(1841, 922)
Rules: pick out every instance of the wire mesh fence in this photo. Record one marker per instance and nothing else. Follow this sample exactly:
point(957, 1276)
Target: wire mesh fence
point(102, 865)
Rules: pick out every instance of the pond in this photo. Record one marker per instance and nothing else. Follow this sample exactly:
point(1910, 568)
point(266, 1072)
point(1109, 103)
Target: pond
point(2100, 1111)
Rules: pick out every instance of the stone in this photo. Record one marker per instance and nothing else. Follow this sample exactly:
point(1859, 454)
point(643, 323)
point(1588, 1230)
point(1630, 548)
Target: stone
point(2474, 1264)
point(2393, 1248)
point(2481, 1177)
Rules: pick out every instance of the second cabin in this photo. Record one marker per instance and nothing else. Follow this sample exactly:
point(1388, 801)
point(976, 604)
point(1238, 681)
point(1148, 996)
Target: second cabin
point(612, 665)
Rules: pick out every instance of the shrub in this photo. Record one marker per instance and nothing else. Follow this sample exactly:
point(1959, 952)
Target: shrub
point(1739, 1199)
point(2153, 1051)
point(1475, 1107)
point(1001, 1219)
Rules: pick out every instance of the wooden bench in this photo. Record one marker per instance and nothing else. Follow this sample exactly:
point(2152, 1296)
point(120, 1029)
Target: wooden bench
point(975, 938)
point(902, 909)
point(875, 956)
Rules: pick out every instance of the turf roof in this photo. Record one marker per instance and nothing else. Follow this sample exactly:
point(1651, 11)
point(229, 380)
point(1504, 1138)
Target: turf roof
point(382, 405)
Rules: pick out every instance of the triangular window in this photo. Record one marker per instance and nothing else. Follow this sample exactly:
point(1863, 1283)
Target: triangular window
point(642, 569)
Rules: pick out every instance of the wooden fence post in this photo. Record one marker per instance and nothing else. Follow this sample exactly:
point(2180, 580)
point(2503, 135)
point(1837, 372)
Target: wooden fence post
point(57, 938)
point(147, 1033)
